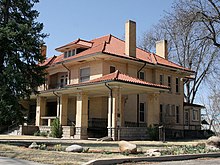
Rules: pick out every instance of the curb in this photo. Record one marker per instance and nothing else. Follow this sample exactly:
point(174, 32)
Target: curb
point(152, 159)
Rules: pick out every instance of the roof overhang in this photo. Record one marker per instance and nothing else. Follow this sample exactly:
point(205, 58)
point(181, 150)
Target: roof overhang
point(101, 89)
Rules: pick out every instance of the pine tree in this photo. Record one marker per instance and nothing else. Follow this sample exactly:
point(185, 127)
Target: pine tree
point(20, 42)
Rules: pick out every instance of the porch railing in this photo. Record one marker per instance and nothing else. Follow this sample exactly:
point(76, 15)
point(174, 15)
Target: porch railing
point(47, 120)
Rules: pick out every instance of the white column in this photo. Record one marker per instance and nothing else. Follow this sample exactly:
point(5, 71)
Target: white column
point(81, 116)
point(40, 110)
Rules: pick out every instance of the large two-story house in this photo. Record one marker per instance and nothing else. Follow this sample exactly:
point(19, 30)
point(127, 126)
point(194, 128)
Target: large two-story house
point(109, 87)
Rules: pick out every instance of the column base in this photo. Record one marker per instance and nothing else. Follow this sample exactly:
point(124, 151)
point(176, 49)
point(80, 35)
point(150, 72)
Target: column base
point(114, 133)
point(81, 133)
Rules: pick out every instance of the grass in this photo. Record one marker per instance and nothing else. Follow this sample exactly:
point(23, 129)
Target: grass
point(54, 154)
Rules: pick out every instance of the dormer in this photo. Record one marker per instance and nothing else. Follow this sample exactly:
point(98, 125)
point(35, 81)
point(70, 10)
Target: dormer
point(74, 47)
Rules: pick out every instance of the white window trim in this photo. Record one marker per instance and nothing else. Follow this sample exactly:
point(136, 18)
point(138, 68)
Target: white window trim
point(144, 112)
point(197, 117)
point(80, 74)
point(140, 75)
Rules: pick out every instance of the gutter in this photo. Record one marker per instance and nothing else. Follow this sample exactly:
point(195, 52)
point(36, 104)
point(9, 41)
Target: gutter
point(58, 113)
point(69, 76)
point(111, 109)
point(138, 96)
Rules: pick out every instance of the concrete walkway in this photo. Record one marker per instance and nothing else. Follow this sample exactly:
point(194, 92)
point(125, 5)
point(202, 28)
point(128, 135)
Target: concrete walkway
point(14, 161)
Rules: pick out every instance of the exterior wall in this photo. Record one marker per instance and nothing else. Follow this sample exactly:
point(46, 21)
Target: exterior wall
point(98, 107)
point(96, 71)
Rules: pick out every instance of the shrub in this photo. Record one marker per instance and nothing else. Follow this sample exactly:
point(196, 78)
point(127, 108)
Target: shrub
point(37, 133)
point(56, 129)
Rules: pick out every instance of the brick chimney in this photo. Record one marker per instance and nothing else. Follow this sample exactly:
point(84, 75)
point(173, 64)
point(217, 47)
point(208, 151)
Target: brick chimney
point(44, 51)
point(161, 49)
point(130, 38)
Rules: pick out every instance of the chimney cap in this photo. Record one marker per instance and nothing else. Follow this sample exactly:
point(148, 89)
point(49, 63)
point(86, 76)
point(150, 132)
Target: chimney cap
point(131, 21)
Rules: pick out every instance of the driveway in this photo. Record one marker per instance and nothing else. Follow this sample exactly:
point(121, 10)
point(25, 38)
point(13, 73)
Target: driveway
point(13, 161)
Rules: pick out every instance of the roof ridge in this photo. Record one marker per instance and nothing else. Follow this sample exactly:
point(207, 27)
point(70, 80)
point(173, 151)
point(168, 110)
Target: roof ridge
point(100, 37)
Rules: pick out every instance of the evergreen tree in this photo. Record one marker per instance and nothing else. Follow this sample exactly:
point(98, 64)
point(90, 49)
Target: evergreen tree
point(20, 42)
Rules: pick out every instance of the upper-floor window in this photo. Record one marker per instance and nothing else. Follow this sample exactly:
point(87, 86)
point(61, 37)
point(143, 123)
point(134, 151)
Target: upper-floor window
point(161, 79)
point(112, 69)
point(63, 80)
point(69, 53)
point(84, 74)
point(141, 75)
point(73, 52)
point(142, 112)
point(177, 85)
point(169, 81)
point(195, 115)
point(177, 114)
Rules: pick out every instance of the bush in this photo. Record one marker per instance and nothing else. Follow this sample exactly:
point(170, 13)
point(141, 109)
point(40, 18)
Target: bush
point(38, 133)
point(56, 129)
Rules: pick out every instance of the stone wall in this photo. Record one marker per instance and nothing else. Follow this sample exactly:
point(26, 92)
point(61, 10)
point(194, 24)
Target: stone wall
point(133, 133)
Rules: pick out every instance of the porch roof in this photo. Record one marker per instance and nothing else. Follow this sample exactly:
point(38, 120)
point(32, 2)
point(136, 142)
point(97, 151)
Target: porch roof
point(98, 86)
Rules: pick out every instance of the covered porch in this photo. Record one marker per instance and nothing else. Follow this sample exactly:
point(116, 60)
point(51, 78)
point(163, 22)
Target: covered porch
point(102, 107)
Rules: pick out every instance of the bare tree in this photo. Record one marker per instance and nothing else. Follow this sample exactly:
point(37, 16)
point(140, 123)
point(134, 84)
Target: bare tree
point(212, 110)
point(189, 43)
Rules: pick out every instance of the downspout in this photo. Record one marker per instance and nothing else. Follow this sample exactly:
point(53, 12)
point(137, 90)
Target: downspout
point(138, 97)
point(110, 122)
point(69, 71)
point(58, 114)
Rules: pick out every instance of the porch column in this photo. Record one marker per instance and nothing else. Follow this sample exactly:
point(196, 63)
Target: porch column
point(81, 116)
point(40, 110)
point(116, 112)
point(63, 109)
point(153, 114)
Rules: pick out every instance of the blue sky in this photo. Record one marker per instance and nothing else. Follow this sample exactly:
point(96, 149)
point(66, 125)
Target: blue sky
point(67, 20)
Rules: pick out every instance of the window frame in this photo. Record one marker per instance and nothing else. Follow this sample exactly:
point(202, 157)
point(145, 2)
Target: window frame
point(143, 74)
point(177, 85)
point(161, 79)
point(142, 112)
point(195, 116)
point(177, 114)
point(87, 77)
point(112, 66)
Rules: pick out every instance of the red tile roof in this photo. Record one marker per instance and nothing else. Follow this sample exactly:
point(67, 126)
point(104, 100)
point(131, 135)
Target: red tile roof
point(117, 76)
point(110, 44)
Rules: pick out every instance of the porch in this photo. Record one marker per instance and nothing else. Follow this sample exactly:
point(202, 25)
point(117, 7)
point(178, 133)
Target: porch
point(120, 109)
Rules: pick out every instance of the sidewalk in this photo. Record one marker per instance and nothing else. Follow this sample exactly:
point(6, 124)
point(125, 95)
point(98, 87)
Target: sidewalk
point(14, 161)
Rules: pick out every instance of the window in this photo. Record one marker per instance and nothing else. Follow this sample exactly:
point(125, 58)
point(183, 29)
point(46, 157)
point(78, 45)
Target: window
point(142, 112)
point(168, 110)
point(63, 80)
point(161, 113)
point(141, 75)
point(112, 69)
point(161, 79)
point(195, 115)
point(177, 85)
point(186, 117)
point(177, 114)
point(84, 74)
point(169, 82)
point(172, 110)
point(70, 53)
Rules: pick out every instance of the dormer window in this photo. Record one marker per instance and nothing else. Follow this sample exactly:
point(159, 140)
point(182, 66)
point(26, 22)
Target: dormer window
point(69, 53)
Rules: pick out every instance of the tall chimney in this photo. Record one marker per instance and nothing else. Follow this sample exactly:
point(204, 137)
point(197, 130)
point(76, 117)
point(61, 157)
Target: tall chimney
point(130, 38)
point(44, 51)
point(161, 49)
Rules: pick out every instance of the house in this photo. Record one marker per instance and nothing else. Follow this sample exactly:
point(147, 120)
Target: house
point(109, 87)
